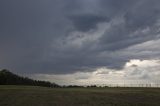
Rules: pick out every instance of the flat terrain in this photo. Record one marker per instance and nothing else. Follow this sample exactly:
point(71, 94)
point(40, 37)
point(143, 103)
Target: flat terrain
point(41, 96)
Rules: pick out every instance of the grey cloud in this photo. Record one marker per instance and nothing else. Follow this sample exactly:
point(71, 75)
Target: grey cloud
point(143, 15)
point(86, 22)
point(34, 34)
point(131, 31)
point(114, 8)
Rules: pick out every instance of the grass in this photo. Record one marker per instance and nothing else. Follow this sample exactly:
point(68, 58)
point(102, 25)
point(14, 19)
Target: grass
point(41, 96)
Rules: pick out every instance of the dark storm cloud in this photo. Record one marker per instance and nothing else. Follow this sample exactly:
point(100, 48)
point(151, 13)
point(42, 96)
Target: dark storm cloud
point(143, 15)
point(87, 22)
point(59, 36)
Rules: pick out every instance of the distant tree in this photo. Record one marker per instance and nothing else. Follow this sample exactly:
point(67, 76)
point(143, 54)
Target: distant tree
point(8, 78)
point(73, 86)
point(92, 86)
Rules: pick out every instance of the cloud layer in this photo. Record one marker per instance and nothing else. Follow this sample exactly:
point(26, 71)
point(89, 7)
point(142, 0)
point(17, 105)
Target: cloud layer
point(63, 37)
point(134, 73)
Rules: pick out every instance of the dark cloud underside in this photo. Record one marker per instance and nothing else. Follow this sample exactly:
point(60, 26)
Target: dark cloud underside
point(59, 36)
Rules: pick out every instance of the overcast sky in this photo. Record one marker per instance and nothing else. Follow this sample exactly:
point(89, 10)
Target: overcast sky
point(79, 41)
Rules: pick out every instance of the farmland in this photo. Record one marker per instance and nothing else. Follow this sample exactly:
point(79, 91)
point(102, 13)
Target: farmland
point(11, 95)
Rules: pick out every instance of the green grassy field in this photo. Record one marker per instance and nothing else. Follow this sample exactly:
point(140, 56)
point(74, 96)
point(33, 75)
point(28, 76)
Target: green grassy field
point(41, 96)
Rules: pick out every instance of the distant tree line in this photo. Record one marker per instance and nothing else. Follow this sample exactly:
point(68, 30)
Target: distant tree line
point(88, 86)
point(8, 78)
